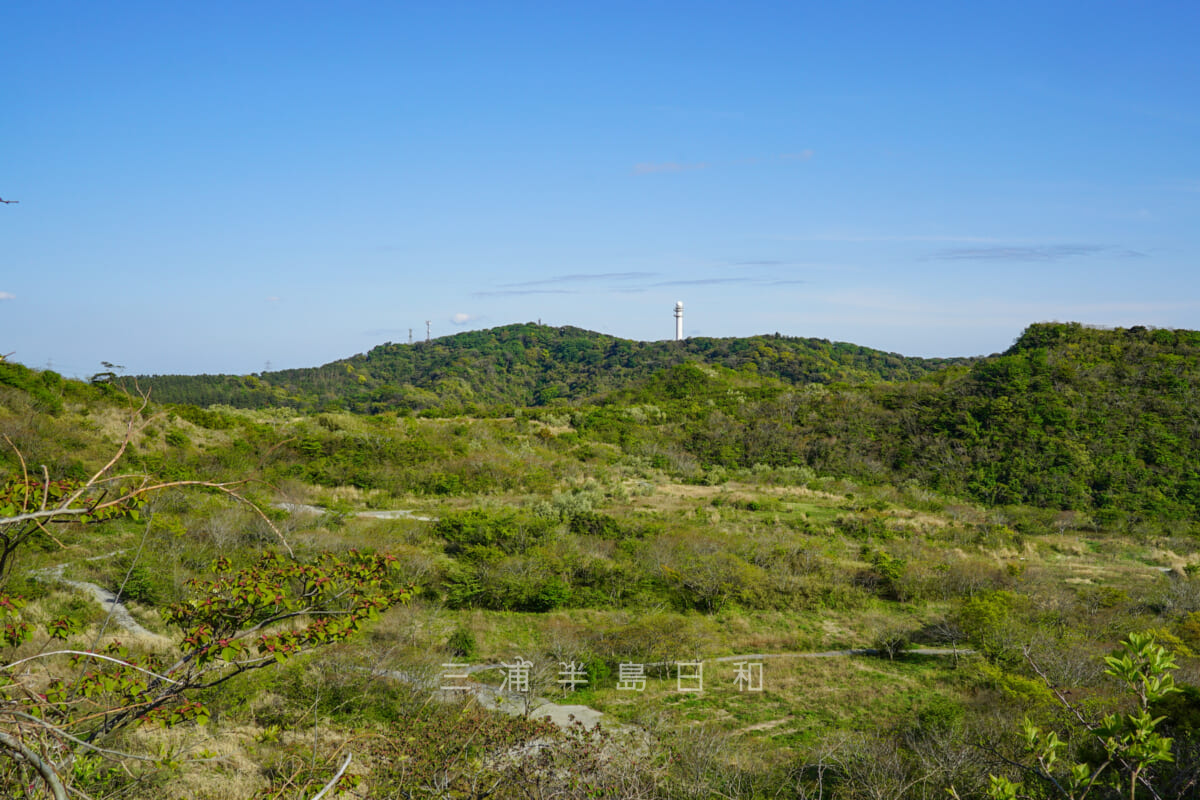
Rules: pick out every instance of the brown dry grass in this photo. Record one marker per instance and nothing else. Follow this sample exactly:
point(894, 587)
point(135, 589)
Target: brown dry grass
point(215, 762)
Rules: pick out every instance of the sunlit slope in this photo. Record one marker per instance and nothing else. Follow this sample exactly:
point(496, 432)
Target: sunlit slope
point(1069, 417)
point(528, 365)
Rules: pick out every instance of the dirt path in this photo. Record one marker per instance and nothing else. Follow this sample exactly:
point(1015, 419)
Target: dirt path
point(117, 611)
point(302, 508)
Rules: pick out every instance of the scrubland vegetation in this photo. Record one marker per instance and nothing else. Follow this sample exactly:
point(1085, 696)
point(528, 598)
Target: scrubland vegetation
point(979, 534)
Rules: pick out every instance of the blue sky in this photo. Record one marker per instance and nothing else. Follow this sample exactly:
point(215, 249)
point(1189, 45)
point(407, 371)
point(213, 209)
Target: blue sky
point(219, 187)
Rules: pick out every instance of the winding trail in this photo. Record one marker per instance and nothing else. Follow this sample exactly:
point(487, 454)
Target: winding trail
point(304, 508)
point(117, 610)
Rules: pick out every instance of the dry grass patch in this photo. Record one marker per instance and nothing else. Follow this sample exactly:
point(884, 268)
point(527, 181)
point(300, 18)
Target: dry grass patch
point(216, 764)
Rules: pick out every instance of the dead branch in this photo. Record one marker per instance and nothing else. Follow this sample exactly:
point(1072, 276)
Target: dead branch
point(333, 781)
point(17, 749)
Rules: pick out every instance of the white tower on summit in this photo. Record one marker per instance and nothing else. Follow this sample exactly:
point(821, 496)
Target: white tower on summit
point(679, 321)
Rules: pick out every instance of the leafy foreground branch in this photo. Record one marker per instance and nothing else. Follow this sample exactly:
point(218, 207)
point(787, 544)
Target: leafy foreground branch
point(60, 707)
point(1123, 748)
point(60, 702)
point(29, 506)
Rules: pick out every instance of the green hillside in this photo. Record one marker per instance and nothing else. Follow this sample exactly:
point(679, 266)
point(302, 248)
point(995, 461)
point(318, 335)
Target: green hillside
point(527, 365)
point(1069, 417)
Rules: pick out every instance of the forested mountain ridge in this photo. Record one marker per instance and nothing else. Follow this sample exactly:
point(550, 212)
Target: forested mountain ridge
point(528, 365)
point(1069, 417)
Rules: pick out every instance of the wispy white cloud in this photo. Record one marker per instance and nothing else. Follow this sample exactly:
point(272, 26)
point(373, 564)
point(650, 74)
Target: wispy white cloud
point(754, 264)
point(705, 281)
point(648, 168)
point(520, 292)
point(739, 280)
point(583, 277)
point(905, 309)
point(840, 236)
point(636, 282)
point(1054, 252)
point(991, 248)
point(7, 296)
point(273, 298)
point(462, 319)
point(710, 113)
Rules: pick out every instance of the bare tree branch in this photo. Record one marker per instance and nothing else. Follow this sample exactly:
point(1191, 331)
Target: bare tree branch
point(57, 731)
point(19, 750)
point(333, 781)
point(88, 655)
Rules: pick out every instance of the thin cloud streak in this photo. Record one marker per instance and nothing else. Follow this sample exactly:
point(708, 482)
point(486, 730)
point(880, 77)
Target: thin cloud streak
point(749, 264)
point(521, 292)
point(647, 168)
point(583, 277)
point(856, 238)
point(651, 167)
point(901, 308)
point(705, 282)
point(386, 331)
point(7, 296)
point(1003, 253)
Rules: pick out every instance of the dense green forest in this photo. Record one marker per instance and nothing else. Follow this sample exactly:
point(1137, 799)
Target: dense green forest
point(525, 365)
point(928, 562)
point(1069, 417)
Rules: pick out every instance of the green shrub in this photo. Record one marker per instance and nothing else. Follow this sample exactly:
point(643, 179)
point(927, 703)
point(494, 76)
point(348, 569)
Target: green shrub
point(142, 585)
point(990, 621)
point(597, 670)
point(862, 527)
point(462, 643)
point(591, 523)
point(177, 438)
point(479, 532)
